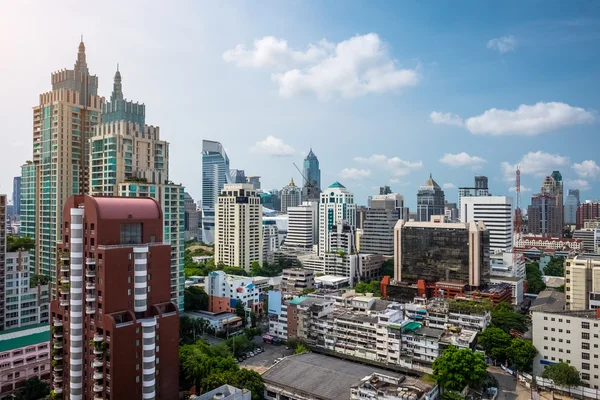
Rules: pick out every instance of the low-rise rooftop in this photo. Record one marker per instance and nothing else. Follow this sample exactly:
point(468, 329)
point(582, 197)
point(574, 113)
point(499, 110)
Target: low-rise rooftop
point(549, 300)
point(15, 338)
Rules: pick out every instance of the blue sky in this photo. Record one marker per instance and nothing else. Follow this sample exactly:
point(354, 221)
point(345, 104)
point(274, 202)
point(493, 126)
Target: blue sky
point(509, 82)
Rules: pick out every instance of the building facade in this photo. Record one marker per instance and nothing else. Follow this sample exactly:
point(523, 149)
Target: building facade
point(303, 226)
point(215, 174)
point(496, 212)
point(587, 211)
point(582, 282)
point(590, 238)
point(290, 196)
point(381, 217)
point(312, 178)
point(191, 221)
point(441, 252)
point(553, 187)
point(571, 205)
point(480, 189)
point(238, 228)
point(336, 206)
point(270, 240)
point(225, 291)
point(295, 280)
point(430, 200)
point(62, 124)
point(2, 259)
point(16, 195)
point(115, 328)
point(544, 216)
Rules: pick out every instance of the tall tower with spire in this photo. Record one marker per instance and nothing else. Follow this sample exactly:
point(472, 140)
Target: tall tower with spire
point(312, 178)
point(62, 124)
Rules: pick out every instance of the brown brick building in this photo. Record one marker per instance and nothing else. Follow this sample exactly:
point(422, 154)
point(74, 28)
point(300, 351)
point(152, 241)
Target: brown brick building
point(115, 332)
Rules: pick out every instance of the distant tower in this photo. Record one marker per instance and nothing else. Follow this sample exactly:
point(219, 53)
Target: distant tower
point(430, 200)
point(215, 174)
point(312, 177)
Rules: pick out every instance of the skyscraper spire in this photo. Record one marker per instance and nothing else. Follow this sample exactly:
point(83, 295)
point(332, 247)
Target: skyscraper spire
point(117, 86)
point(81, 54)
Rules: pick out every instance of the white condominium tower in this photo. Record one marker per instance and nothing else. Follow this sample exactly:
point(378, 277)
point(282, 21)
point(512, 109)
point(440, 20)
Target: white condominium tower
point(303, 226)
point(336, 206)
point(238, 226)
point(496, 212)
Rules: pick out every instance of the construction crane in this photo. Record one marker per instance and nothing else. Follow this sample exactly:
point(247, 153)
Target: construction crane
point(306, 182)
point(310, 191)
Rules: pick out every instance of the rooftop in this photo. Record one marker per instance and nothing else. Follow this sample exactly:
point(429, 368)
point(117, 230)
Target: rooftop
point(336, 184)
point(15, 338)
point(548, 300)
point(589, 314)
point(126, 208)
point(320, 376)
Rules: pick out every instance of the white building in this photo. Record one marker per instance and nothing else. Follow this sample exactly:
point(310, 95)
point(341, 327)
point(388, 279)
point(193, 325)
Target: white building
point(548, 243)
point(270, 235)
point(336, 206)
point(294, 280)
point(24, 305)
point(496, 212)
point(224, 291)
point(278, 323)
point(303, 226)
point(582, 287)
point(590, 238)
point(290, 196)
point(238, 226)
point(356, 267)
point(445, 314)
point(571, 337)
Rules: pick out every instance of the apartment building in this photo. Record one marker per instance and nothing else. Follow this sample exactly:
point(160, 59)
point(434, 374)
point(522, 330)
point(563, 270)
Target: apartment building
point(303, 226)
point(238, 227)
point(582, 282)
point(290, 196)
point(3, 204)
point(278, 323)
point(295, 280)
point(270, 236)
point(446, 314)
point(115, 329)
point(356, 267)
point(571, 337)
point(479, 189)
point(225, 291)
point(496, 212)
point(24, 354)
point(590, 238)
point(336, 206)
point(380, 218)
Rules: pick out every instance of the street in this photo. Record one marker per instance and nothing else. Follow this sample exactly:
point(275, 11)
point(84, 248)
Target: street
point(509, 388)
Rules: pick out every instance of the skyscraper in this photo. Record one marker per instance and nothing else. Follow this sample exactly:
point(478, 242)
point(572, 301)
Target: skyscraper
point(586, 212)
point(430, 200)
point(128, 158)
point(191, 218)
point(114, 320)
point(303, 226)
point(381, 217)
point(553, 186)
point(62, 124)
point(312, 177)
point(2, 258)
point(237, 176)
point(496, 212)
point(336, 206)
point(16, 195)
point(215, 174)
point(479, 189)
point(571, 204)
point(544, 216)
point(290, 196)
point(238, 226)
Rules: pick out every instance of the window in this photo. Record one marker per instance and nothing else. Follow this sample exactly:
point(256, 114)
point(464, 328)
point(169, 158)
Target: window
point(585, 336)
point(131, 233)
point(585, 366)
point(585, 356)
point(585, 325)
point(585, 377)
point(585, 346)
point(137, 379)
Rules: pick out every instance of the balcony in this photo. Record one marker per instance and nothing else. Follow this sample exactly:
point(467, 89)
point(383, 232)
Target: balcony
point(58, 367)
point(90, 261)
point(57, 322)
point(98, 337)
point(64, 302)
point(97, 388)
point(64, 256)
point(64, 281)
point(90, 286)
point(58, 357)
point(64, 268)
point(57, 377)
point(98, 375)
point(58, 334)
point(98, 362)
point(90, 273)
point(90, 310)
point(90, 298)
point(57, 389)
point(58, 345)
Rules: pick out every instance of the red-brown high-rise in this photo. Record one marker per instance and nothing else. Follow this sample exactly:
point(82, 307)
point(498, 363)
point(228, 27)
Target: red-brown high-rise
point(115, 332)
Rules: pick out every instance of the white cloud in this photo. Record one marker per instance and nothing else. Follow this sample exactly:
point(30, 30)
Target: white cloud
point(523, 189)
point(528, 120)
point(350, 68)
point(354, 173)
point(577, 184)
point(394, 180)
point(272, 146)
point(503, 44)
point(537, 163)
point(448, 186)
point(462, 160)
point(440, 118)
point(395, 165)
point(587, 169)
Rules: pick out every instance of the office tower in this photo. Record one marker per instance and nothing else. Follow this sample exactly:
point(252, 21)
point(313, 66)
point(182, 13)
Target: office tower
point(238, 228)
point(191, 218)
point(336, 206)
point(441, 252)
point(582, 288)
point(571, 204)
point(385, 190)
point(588, 211)
point(303, 226)
point(590, 238)
point(544, 217)
point(290, 196)
point(237, 176)
point(16, 195)
point(215, 174)
point(115, 328)
point(270, 235)
point(2, 259)
point(451, 212)
point(496, 212)
point(342, 238)
point(128, 158)
point(553, 187)
point(430, 200)
point(312, 178)
point(62, 124)
point(254, 181)
point(480, 188)
point(378, 226)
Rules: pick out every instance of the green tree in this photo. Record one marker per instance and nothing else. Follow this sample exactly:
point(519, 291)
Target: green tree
point(33, 389)
point(368, 287)
point(195, 298)
point(255, 269)
point(16, 243)
point(562, 374)
point(36, 279)
point(301, 349)
point(520, 354)
point(240, 311)
point(387, 269)
point(555, 267)
point(506, 318)
point(495, 341)
point(535, 282)
point(235, 271)
point(451, 395)
point(456, 368)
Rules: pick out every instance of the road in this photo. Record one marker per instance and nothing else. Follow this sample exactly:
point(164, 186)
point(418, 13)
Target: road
point(262, 361)
point(509, 388)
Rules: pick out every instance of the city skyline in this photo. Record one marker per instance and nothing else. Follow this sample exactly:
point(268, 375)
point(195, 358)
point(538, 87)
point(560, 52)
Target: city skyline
point(451, 89)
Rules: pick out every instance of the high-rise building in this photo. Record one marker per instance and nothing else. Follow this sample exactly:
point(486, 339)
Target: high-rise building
point(385, 190)
point(16, 195)
point(238, 228)
point(544, 216)
point(590, 238)
point(342, 238)
point(303, 226)
point(290, 196)
point(237, 176)
point(2, 258)
point(441, 252)
point(430, 200)
point(254, 181)
point(191, 218)
point(571, 205)
point(553, 187)
point(451, 212)
point(62, 124)
point(215, 174)
point(479, 189)
point(270, 240)
point(114, 320)
point(312, 178)
point(336, 206)
point(496, 212)
point(588, 211)
point(381, 217)
point(582, 288)
point(128, 158)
